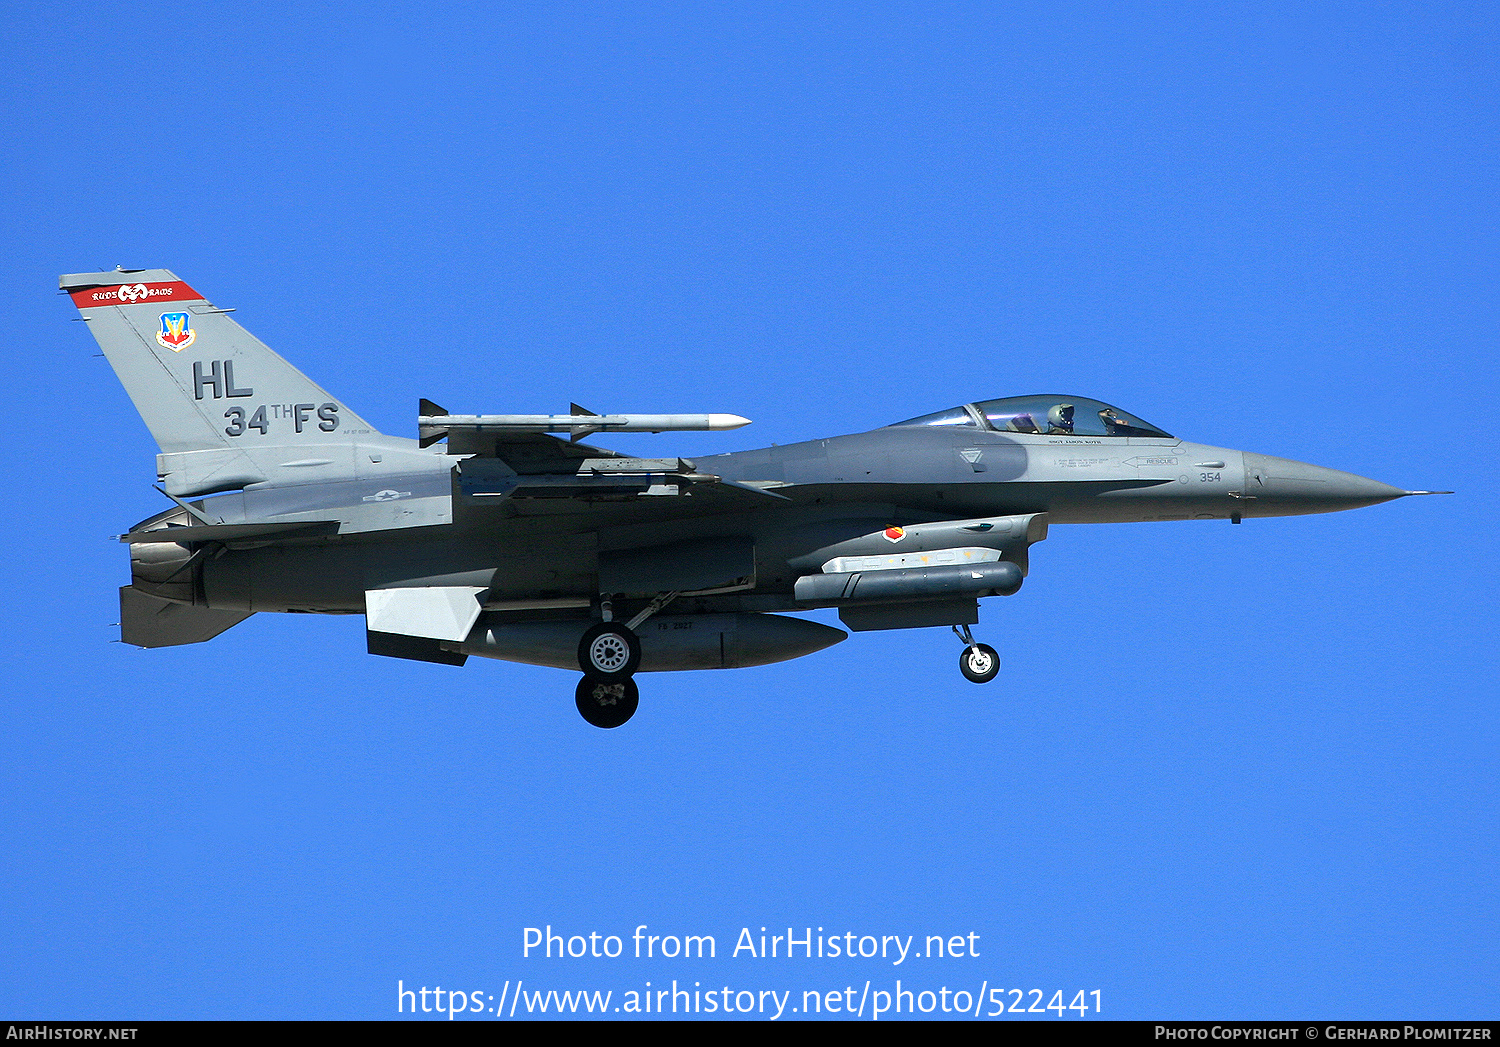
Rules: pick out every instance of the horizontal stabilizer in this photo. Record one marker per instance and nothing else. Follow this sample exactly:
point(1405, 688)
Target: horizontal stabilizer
point(149, 621)
point(438, 612)
point(232, 532)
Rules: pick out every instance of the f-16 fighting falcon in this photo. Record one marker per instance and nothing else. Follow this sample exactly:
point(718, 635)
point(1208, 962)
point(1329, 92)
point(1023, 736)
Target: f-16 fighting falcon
point(489, 536)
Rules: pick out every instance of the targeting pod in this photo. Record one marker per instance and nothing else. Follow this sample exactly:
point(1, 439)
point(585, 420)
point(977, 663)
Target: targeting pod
point(1000, 578)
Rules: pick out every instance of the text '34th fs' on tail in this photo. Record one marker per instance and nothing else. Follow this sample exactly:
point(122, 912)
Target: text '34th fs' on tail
point(507, 536)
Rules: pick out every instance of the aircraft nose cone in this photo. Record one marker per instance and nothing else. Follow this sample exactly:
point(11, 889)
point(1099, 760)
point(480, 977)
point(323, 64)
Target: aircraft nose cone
point(1285, 487)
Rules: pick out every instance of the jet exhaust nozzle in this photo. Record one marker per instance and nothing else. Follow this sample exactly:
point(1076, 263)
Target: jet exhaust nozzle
point(164, 569)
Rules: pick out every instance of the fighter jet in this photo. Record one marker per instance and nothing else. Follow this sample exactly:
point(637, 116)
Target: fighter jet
point(490, 536)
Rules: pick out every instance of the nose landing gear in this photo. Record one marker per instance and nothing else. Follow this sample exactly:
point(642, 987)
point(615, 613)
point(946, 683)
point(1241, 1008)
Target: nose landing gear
point(979, 662)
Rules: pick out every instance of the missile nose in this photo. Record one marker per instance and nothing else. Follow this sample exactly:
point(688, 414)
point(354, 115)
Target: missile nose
point(1284, 487)
point(726, 421)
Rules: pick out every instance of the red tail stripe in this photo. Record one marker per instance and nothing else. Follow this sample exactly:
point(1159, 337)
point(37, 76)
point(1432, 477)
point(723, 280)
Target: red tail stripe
point(135, 294)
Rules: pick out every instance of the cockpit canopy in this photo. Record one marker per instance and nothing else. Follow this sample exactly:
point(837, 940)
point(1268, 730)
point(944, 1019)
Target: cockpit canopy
point(1056, 415)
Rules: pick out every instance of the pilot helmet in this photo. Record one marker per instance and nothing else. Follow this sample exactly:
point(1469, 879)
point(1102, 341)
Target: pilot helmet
point(1061, 417)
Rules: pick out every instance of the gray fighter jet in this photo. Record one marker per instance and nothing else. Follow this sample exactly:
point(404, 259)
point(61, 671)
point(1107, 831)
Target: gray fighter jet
point(488, 536)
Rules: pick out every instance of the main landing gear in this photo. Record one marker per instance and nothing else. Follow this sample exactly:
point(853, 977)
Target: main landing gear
point(607, 703)
point(609, 650)
point(979, 663)
point(609, 653)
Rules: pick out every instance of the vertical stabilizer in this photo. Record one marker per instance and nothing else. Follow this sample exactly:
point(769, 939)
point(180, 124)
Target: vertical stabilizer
point(199, 379)
point(221, 405)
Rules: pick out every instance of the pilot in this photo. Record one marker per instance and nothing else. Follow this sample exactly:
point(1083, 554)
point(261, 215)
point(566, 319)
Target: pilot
point(1114, 425)
point(1060, 419)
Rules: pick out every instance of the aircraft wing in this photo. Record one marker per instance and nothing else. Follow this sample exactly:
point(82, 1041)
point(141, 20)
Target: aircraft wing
point(673, 482)
point(527, 452)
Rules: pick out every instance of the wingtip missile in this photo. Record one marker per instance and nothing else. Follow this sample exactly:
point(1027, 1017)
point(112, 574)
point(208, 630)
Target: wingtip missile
point(434, 423)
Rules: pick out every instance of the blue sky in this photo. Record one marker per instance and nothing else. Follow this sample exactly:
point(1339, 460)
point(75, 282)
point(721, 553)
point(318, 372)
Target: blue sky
point(1240, 772)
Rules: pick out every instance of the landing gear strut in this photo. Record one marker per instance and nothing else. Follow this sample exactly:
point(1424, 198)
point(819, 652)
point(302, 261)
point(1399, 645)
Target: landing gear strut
point(979, 662)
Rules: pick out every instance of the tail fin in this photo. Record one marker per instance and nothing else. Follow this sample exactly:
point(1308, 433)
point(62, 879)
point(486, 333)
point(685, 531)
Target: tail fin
point(212, 394)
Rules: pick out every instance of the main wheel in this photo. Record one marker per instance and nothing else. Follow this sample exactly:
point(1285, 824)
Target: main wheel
point(607, 703)
point(979, 663)
point(609, 650)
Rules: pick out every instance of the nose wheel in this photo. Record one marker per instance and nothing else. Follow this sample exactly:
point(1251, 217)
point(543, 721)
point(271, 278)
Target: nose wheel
point(979, 662)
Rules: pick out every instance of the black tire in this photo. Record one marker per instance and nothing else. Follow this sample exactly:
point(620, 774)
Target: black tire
point(607, 703)
point(609, 651)
point(979, 664)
